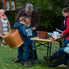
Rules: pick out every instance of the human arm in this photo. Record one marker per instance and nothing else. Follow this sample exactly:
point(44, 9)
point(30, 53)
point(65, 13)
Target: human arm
point(23, 30)
point(37, 18)
point(66, 31)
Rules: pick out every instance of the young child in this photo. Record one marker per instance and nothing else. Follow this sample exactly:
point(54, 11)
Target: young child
point(30, 34)
point(23, 48)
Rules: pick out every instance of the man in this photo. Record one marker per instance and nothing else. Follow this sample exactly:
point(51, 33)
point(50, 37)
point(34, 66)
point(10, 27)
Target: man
point(29, 12)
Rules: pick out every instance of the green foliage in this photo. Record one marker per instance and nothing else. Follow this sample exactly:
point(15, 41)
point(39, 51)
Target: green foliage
point(11, 18)
point(50, 12)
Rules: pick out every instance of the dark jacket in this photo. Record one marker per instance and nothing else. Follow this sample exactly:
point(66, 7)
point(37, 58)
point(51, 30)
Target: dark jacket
point(30, 34)
point(35, 20)
point(21, 30)
point(63, 26)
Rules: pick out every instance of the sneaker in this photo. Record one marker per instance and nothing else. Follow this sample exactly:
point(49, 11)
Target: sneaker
point(26, 64)
point(29, 64)
point(30, 61)
point(17, 61)
point(22, 63)
point(62, 65)
point(36, 60)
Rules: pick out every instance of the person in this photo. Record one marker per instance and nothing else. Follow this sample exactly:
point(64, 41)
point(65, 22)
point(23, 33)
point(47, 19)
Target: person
point(23, 47)
point(35, 20)
point(63, 26)
point(30, 35)
point(64, 51)
point(4, 24)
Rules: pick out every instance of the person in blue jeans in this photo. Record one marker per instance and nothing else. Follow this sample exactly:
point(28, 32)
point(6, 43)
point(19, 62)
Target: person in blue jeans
point(30, 34)
point(64, 51)
point(24, 47)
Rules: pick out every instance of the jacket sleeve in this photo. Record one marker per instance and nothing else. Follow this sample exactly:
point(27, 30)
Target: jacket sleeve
point(67, 29)
point(23, 30)
point(37, 21)
point(17, 17)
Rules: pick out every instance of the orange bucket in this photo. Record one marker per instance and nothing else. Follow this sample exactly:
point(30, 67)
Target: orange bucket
point(13, 39)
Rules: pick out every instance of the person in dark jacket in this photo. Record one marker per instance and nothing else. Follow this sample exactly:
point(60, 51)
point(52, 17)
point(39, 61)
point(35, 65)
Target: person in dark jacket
point(33, 15)
point(24, 47)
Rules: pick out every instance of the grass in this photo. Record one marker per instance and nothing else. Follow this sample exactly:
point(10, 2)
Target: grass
point(8, 55)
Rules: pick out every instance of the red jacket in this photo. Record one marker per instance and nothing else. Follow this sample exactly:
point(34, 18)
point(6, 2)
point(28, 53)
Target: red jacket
point(66, 31)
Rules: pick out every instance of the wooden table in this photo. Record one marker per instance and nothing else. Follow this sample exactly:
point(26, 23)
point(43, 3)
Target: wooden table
point(48, 43)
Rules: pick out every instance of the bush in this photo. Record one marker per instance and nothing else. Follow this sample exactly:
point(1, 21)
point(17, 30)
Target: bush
point(11, 18)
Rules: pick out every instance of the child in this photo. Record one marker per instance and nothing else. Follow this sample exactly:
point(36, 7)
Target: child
point(30, 42)
point(20, 26)
point(29, 35)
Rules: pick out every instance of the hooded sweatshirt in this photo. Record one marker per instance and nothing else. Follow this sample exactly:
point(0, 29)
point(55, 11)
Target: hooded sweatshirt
point(21, 30)
point(30, 34)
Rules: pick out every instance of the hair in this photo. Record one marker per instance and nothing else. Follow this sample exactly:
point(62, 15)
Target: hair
point(65, 10)
point(2, 10)
point(22, 18)
point(29, 7)
point(28, 20)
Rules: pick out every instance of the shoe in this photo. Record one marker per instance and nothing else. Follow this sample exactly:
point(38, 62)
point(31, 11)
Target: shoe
point(17, 61)
point(26, 64)
point(46, 58)
point(29, 64)
point(36, 60)
point(30, 61)
point(62, 65)
point(22, 63)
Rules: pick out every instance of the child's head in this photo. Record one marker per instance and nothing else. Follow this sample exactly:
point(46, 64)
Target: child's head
point(22, 20)
point(28, 22)
point(65, 12)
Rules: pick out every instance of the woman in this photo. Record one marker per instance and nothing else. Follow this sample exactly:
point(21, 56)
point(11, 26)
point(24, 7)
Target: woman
point(4, 24)
point(64, 51)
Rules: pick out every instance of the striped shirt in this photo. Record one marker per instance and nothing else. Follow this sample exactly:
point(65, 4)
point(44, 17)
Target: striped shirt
point(5, 25)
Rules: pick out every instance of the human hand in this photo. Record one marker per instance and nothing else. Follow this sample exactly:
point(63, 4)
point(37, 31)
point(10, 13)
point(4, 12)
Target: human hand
point(33, 28)
point(26, 30)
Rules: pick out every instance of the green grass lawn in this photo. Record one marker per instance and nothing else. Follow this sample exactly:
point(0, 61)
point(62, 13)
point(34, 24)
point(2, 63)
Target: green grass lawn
point(8, 55)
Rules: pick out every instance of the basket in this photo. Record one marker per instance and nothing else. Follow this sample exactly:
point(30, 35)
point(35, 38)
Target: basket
point(13, 39)
point(42, 34)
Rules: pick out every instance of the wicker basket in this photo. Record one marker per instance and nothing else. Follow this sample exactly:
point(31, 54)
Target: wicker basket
point(42, 34)
point(13, 39)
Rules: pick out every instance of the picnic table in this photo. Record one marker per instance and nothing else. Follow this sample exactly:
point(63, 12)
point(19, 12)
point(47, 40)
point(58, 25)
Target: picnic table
point(47, 43)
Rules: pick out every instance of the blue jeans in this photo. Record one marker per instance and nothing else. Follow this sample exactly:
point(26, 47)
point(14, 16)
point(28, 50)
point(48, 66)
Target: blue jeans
point(59, 53)
point(65, 42)
point(30, 56)
point(21, 49)
point(63, 60)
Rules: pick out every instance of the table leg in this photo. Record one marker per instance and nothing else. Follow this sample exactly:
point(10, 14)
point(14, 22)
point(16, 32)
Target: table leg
point(33, 51)
point(47, 49)
point(49, 56)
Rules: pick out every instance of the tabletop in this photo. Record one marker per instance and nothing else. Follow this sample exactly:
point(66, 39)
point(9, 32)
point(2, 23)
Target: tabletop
point(45, 40)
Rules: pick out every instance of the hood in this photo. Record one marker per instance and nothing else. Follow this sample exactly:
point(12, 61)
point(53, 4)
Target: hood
point(17, 25)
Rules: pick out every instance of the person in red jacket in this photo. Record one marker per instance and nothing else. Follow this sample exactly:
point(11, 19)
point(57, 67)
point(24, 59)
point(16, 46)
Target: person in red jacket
point(61, 51)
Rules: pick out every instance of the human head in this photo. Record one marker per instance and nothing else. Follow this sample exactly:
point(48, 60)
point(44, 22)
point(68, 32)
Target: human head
point(2, 11)
point(28, 22)
point(22, 20)
point(65, 12)
point(29, 9)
